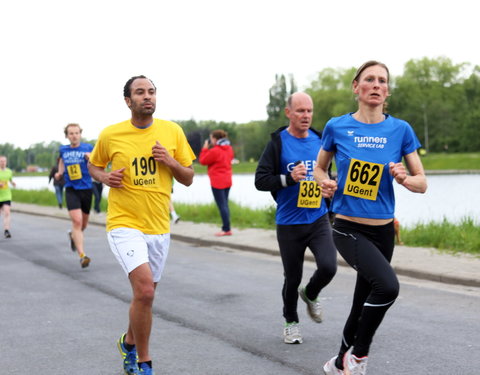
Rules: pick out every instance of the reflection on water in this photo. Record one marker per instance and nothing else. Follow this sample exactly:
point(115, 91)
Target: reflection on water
point(448, 196)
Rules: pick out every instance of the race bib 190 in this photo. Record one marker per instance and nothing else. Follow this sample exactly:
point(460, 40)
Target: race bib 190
point(309, 195)
point(363, 179)
point(144, 172)
point(74, 172)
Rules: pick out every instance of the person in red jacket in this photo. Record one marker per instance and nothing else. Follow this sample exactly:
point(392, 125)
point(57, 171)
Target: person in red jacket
point(218, 159)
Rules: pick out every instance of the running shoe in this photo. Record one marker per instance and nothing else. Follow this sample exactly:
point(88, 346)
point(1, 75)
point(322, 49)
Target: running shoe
point(330, 369)
point(7, 234)
point(314, 309)
point(145, 369)
point(175, 218)
point(130, 359)
point(291, 334)
point(223, 233)
point(72, 244)
point(353, 365)
point(84, 261)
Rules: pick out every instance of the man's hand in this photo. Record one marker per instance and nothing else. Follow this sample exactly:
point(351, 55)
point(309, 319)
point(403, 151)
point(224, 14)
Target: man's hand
point(299, 172)
point(161, 154)
point(114, 178)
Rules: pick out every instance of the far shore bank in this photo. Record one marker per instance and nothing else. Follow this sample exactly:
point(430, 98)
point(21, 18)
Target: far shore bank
point(451, 171)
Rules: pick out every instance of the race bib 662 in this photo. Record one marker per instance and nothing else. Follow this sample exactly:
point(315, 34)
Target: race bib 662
point(363, 179)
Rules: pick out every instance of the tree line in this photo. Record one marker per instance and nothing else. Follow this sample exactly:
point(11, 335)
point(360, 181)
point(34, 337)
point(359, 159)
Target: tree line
point(440, 99)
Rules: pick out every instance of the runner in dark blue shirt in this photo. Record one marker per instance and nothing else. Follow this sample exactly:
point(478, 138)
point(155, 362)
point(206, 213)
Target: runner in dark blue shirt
point(286, 170)
point(72, 166)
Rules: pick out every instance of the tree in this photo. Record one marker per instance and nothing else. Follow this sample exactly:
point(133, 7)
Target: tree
point(251, 140)
point(469, 131)
point(43, 155)
point(198, 132)
point(331, 94)
point(278, 95)
point(430, 97)
point(16, 156)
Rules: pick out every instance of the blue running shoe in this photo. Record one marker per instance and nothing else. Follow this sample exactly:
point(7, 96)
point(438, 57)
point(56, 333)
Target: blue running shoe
point(129, 358)
point(145, 369)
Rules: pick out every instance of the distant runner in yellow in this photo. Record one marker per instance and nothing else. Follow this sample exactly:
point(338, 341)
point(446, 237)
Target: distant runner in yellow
point(5, 194)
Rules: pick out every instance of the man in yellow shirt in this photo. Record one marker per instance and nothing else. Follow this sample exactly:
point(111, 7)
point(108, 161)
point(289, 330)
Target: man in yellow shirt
point(145, 154)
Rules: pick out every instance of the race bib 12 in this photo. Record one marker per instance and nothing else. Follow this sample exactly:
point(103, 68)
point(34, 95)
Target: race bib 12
point(74, 172)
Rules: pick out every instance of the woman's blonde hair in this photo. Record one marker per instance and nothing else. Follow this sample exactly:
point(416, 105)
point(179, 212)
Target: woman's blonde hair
point(368, 64)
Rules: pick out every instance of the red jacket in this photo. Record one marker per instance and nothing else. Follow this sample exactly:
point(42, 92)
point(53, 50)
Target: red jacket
point(218, 159)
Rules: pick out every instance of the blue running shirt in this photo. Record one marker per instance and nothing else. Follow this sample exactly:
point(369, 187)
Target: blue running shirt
point(362, 154)
point(300, 203)
point(76, 171)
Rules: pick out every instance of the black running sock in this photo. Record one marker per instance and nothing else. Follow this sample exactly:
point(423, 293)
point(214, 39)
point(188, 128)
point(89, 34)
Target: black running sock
point(127, 346)
point(339, 362)
point(148, 363)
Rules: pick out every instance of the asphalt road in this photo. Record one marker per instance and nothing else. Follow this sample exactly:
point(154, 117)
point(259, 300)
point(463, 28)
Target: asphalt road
point(217, 312)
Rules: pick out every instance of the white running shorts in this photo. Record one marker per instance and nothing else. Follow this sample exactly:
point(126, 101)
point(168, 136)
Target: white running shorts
point(133, 248)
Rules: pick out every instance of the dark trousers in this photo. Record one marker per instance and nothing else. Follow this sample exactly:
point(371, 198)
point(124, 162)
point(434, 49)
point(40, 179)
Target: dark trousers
point(97, 188)
point(221, 199)
point(293, 240)
point(368, 249)
point(59, 194)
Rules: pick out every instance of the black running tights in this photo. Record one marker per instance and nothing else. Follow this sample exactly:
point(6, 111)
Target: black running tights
point(368, 249)
point(293, 240)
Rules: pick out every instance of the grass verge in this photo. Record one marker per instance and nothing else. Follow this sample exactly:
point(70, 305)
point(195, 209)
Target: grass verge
point(463, 237)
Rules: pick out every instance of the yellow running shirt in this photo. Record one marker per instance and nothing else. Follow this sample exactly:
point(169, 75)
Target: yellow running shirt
point(143, 201)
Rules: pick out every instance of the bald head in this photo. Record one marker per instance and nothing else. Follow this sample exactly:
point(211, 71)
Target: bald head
point(298, 97)
point(299, 111)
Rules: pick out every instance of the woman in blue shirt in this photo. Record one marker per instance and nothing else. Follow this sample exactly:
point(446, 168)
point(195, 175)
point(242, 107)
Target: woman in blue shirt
point(368, 146)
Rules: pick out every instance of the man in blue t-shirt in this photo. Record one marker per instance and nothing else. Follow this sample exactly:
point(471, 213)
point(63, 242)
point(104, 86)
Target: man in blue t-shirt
point(286, 170)
point(78, 186)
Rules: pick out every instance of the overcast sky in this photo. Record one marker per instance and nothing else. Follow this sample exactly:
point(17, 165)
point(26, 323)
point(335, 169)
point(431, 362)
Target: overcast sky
point(67, 61)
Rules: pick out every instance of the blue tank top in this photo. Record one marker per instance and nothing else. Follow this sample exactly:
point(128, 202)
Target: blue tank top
point(76, 171)
point(362, 154)
point(300, 203)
